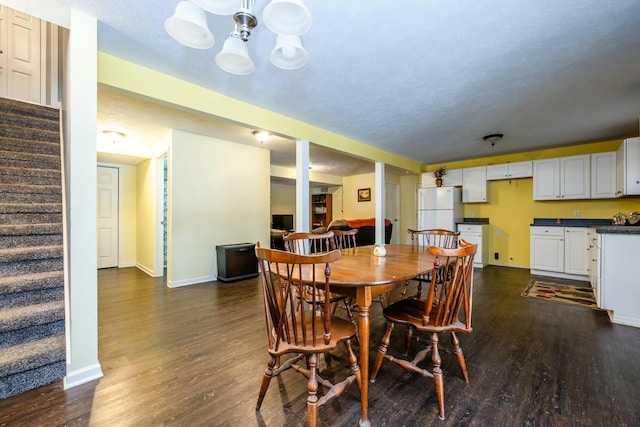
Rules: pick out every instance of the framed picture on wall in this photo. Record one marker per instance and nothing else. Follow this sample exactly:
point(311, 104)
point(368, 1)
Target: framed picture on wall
point(364, 194)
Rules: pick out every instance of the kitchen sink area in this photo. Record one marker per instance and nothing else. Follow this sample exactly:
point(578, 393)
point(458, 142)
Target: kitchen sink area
point(593, 250)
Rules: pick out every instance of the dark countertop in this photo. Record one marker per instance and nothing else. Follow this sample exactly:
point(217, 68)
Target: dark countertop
point(604, 226)
point(474, 221)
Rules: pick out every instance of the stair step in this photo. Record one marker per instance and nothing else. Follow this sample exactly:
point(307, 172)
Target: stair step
point(30, 218)
point(29, 109)
point(29, 146)
point(29, 380)
point(31, 266)
point(29, 356)
point(33, 134)
point(31, 253)
point(7, 242)
point(30, 208)
point(33, 333)
point(31, 189)
point(30, 229)
point(31, 123)
point(15, 318)
point(30, 176)
point(31, 282)
point(23, 299)
point(17, 159)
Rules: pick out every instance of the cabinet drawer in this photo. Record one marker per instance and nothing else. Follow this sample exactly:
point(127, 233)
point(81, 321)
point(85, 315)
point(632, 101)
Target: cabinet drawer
point(473, 228)
point(547, 231)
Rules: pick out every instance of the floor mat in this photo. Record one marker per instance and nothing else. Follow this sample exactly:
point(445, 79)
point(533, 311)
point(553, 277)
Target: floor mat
point(568, 294)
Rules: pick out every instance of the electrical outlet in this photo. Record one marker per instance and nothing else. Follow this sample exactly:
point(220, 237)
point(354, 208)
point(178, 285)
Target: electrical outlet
point(496, 255)
point(472, 214)
point(576, 214)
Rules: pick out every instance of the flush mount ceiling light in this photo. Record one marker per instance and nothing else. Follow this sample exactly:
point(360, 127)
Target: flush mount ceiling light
point(287, 18)
point(493, 139)
point(113, 135)
point(261, 135)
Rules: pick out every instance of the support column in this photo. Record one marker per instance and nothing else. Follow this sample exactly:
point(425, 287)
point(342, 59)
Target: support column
point(302, 186)
point(380, 193)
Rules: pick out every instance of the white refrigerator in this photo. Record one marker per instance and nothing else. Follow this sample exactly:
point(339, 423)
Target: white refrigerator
point(439, 207)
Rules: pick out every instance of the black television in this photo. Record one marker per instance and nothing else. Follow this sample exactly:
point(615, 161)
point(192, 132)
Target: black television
point(282, 222)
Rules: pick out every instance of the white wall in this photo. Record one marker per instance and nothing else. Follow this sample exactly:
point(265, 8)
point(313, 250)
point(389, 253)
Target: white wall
point(219, 193)
point(283, 199)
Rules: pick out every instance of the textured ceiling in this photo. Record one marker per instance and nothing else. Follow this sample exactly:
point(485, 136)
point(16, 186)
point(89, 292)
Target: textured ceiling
point(421, 78)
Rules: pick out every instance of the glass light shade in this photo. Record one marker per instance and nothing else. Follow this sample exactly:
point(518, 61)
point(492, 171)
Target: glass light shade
point(289, 53)
point(289, 17)
point(220, 7)
point(188, 26)
point(234, 57)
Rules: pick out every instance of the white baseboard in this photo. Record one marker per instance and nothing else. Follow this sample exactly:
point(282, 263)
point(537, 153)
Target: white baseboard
point(81, 376)
point(559, 275)
point(145, 269)
point(625, 320)
point(188, 282)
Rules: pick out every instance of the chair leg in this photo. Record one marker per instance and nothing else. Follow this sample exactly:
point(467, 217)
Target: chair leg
point(266, 380)
point(458, 352)
point(382, 351)
point(407, 340)
point(347, 302)
point(312, 387)
point(353, 361)
point(437, 374)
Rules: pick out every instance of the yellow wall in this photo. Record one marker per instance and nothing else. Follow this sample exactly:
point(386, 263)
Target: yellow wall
point(128, 216)
point(145, 230)
point(511, 208)
point(352, 209)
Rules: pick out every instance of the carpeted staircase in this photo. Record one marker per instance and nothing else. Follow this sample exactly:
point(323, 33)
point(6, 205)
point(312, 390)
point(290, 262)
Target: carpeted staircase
point(32, 326)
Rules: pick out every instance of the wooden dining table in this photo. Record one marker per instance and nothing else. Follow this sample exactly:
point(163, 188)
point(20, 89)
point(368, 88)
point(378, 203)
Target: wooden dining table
point(361, 275)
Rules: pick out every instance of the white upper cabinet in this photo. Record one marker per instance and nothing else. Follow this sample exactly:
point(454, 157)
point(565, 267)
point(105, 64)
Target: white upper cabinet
point(510, 170)
point(453, 178)
point(628, 168)
point(546, 179)
point(474, 185)
point(562, 178)
point(603, 175)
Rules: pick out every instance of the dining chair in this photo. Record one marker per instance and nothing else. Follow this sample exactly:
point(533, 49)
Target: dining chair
point(422, 239)
point(303, 329)
point(313, 243)
point(345, 239)
point(309, 243)
point(446, 308)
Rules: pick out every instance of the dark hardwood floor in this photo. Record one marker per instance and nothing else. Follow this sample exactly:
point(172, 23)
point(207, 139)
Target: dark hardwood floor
point(195, 356)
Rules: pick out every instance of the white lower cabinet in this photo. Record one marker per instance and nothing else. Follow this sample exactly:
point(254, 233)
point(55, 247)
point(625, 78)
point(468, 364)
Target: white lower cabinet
point(593, 250)
point(547, 249)
point(477, 234)
point(559, 252)
point(619, 290)
point(576, 256)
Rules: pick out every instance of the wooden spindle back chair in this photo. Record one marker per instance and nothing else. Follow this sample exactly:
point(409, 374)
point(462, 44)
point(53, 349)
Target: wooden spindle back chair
point(447, 307)
point(303, 329)
point(345, 239)
point(309, 243)
point(422, 239)
point(314, 243)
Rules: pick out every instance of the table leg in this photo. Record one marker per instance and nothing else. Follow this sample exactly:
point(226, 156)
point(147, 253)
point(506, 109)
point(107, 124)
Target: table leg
point(363, 300)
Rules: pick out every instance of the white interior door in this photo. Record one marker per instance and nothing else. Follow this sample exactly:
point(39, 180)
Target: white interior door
point(107, 217)
point(20, 65)
point(392, 210)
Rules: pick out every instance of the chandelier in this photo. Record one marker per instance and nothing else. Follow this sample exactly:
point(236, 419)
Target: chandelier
point(287, 18)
